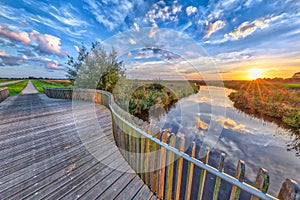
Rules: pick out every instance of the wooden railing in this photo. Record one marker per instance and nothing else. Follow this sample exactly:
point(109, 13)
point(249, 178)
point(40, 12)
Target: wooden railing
point(159, 156)
point(4, 93)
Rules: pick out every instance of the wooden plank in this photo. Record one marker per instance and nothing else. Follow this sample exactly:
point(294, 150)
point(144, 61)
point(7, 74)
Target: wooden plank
point(103, 185)
point(156, 159)
point(131, 189)
point(180, 143)
point(203, 175)
point(143, 193)
point(61, 166)
point(169, 167)
point(290, 190)
point(143, 168)
point(262, 182)
point(138, 161)
point(113, 190)
point(218, 179)
point(162, 165)
point(149, 157)
point(93, 180)
point(190, 172)
point(240, 175)
point(21, 169)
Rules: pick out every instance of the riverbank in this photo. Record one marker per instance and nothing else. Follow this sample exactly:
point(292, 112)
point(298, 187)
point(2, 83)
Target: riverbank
point(268, 101)
point(147, 99)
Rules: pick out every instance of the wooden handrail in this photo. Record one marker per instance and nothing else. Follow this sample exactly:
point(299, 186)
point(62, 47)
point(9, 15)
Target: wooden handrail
point(4, 93)
point(151, 153)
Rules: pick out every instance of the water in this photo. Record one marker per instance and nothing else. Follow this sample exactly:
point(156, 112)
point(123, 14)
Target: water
point(210, 116)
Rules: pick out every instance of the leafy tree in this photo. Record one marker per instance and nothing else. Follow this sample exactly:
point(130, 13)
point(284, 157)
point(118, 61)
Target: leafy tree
point(97, 69)
point(74, 65)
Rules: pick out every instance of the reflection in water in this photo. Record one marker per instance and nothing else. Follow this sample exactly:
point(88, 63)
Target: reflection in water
point(258, 143)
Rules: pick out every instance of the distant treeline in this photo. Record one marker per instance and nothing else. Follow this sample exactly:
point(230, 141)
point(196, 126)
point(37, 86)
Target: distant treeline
point(32, 77)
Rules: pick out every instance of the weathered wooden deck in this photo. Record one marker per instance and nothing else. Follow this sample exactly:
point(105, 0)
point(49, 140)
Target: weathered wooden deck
point(42, 155)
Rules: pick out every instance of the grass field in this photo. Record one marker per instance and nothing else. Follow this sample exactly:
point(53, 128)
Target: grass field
point(5, 80)
point(291, 85)
point(16, 88)
point(38, 84)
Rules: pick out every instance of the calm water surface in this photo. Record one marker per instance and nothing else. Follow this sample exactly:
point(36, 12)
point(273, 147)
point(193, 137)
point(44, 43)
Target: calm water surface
point(210, 116)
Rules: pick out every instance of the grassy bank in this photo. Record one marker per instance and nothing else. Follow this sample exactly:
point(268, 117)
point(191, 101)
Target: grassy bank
point(142, 98)
point(16, 88)
point(265, 99)
point(38, 84)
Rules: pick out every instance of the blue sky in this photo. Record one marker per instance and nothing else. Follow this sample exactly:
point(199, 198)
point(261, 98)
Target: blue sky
point(239, 35)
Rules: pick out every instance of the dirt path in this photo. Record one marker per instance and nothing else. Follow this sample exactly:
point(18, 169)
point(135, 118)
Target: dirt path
point(29, 89)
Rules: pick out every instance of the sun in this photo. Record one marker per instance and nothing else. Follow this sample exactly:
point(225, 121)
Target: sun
point(255, 73)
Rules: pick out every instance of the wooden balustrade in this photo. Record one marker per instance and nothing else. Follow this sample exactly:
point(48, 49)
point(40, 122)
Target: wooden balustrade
point(4, 93)
point(158, 157)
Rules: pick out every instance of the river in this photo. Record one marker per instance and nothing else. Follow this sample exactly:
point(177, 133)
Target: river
point(211, 116)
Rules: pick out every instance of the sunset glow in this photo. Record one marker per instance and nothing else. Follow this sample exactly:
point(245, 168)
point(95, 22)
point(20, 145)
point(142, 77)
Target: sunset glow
point(255, 73)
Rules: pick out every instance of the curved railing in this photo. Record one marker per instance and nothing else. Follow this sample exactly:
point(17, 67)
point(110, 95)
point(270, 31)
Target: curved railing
point(4, 93)
point(158, 156)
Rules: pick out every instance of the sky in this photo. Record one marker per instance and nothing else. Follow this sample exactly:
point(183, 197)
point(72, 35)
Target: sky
point(240, 37)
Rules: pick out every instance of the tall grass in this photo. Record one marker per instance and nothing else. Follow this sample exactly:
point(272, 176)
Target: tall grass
point(267, 99)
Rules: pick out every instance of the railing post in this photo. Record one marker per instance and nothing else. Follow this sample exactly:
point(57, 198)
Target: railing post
point(218, 179)
point(240, 175)
point(127, 142)
point(137, 152)
point(133, 149)
point(169, 168)
point(262, 182)
point(180, 142)
point(190, 171)
point(149, 157)
point(203, 175)
point(143, 155)
point(156, 158)
point(162, 164)
point(289, 190)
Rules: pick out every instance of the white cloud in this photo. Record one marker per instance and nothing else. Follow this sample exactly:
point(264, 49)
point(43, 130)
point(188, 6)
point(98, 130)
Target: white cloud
point(161, 12)
point(47, 44)
point(231, 124)
point(52, 65)
point(65, 15)
point(18, 36)
point(44, 43)
point(176, 9)
point(190, 10)
point(48, 63)
point(110, 18)
point(3, 53)
point(6, 59)
point(213, 27)
point(77, 48)
point(247, 28)
point(24, 57)
point(136, 26)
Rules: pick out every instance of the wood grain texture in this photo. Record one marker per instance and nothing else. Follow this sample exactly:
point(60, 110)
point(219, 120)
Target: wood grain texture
point(43, 156)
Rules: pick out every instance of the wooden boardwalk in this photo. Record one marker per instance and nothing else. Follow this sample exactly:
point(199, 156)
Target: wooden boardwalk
point(43, 157)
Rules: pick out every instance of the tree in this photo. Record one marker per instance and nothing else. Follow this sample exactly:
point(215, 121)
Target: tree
point(97, 69)
point(74, 65)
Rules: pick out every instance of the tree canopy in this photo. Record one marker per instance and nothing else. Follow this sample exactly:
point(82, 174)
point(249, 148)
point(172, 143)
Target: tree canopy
point(97, 69)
